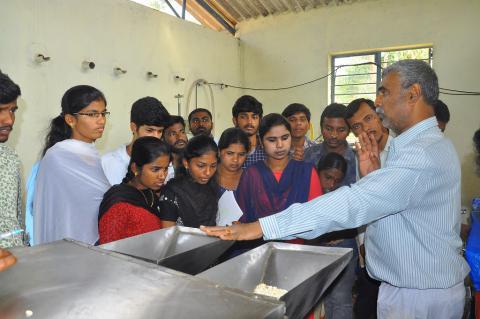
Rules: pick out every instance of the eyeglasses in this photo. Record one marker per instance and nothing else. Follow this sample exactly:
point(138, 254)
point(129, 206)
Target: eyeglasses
point(94, 115)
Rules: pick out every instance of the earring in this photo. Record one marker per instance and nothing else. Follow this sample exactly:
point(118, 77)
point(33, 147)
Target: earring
point(136, 173)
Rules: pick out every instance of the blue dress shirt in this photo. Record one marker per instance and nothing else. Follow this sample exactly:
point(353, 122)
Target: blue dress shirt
point(412, 205)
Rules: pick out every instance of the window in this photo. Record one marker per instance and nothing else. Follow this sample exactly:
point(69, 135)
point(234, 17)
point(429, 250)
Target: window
point(352, 81)
point(163, 6)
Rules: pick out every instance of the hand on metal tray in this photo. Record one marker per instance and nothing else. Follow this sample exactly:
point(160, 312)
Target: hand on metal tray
point(248, 231)
point(6, 259)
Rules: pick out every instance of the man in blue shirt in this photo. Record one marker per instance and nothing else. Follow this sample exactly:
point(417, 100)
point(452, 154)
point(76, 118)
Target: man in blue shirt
point(334, 131)
point(411, 205)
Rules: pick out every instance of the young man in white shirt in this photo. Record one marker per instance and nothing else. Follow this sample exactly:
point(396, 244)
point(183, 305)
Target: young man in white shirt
point(148, 117)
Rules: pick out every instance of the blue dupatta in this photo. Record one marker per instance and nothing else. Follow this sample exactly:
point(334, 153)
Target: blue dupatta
point(259, 194)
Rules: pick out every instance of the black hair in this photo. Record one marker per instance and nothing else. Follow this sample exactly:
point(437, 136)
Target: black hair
point(146, 150)
point(199, 110)
point(231, 136)
point(271, 120)
point(476, 142)
point(247, 103)
point(334, 110)
point(441, 111)
point(332, 160)
point(197, 146)
point(73, 101)
point(296, 108)
point(354, 106)
point(9, 91)
point(148, 111)
point(174, 119)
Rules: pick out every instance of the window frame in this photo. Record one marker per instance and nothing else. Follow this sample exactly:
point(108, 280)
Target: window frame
point(377, 60)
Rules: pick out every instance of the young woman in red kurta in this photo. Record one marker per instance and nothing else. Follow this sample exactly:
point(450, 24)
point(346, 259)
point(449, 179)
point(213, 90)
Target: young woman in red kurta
point(131, 208)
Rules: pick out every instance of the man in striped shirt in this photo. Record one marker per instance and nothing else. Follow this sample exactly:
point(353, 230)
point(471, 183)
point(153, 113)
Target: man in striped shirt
point(411, 205)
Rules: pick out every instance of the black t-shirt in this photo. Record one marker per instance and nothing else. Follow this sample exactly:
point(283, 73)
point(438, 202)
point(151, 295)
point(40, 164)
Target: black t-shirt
point(188, 203)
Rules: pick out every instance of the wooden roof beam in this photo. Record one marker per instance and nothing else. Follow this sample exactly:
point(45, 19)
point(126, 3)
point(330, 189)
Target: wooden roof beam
point(220, 6)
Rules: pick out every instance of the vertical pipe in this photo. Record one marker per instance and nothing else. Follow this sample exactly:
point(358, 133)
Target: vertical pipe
point(184, 7)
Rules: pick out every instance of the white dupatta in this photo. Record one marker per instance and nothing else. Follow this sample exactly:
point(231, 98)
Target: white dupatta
point(69, 188)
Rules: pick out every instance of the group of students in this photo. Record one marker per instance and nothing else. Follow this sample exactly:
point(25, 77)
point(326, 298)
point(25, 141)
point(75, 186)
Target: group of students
point(162, 178)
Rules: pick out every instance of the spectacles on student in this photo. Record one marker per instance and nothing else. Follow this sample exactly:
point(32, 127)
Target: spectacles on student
point(94, 115)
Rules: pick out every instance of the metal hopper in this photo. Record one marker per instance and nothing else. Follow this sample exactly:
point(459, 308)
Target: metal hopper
point(185, 249)
point(304, 271)
point(67, 279)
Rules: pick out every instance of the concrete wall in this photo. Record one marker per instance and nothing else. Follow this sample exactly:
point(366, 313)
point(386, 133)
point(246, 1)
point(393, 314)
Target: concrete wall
point(112, 33)
point(273, 51)
point(294, 48)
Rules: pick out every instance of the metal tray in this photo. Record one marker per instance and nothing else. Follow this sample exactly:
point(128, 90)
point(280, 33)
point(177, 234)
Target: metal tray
point(67, 279)
point(185, 249)
point(304, 271)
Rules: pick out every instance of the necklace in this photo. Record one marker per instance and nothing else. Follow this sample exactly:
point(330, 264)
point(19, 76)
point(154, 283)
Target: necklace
point(145, 197)
point(131, 183)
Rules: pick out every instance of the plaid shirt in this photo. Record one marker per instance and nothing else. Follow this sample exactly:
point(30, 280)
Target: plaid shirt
point(306, 144)
point(257, 155)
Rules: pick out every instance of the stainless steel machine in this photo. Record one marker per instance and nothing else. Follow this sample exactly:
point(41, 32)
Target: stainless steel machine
point(67, 279)
point(129, 278)
point(304, 271)
point(185, 249)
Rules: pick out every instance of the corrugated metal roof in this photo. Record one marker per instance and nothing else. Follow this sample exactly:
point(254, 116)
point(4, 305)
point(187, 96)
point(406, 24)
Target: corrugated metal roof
point(225, 14)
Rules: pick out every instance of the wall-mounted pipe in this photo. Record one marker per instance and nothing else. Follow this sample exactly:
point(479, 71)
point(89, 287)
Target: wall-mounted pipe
point(194, 85)
point(179, 106)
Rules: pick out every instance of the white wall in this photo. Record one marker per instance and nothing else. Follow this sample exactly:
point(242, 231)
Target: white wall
point(274, 51)
point(112, 33)
point(294, 48)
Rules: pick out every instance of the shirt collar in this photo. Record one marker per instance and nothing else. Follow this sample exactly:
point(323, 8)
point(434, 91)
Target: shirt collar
point(410, 134)
point(257, 148)
point(389, 142)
